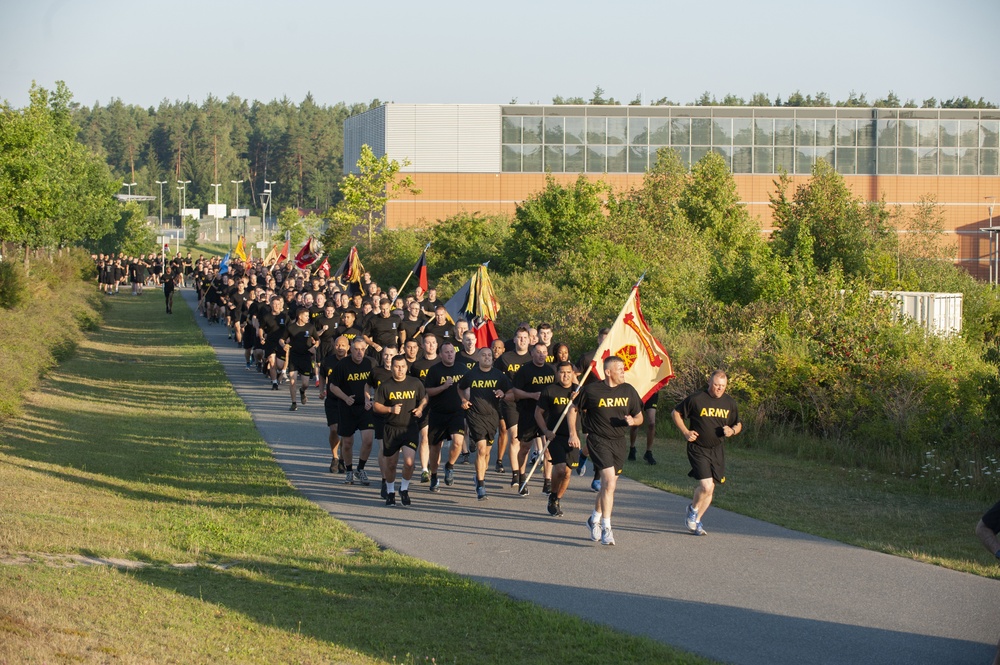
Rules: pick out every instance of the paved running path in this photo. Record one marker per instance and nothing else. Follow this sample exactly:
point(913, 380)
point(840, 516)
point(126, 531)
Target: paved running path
point(751, 592)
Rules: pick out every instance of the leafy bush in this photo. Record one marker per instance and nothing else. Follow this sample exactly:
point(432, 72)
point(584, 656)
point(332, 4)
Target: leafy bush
point(13, 285)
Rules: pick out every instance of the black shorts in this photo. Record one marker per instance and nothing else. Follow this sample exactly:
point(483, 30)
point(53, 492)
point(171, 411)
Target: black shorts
point(707, 462)
point(482, 427)
point(651, 402)
point(443, 426)
point(527, 426)
point(332, 407)
point(352, 420)
point(379, 426)
point(397, 438)
point(271, 349)
point(508, 413)
point(300, 363)
point(607, 454)
point(561, 453)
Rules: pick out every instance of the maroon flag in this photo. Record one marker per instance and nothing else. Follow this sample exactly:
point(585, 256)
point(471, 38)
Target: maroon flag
point(309, 254)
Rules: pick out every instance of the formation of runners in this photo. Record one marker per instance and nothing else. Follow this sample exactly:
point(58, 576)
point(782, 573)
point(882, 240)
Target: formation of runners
point(397, 373)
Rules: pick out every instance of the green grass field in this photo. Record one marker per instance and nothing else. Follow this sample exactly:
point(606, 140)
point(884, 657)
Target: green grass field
point(138, 450)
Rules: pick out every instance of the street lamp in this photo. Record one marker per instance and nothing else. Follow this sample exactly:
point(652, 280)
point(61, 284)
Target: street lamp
point(183, 187)
point(237, 206)
point(130, 185)
point(267, 188)
point(216, 215)
point(161, 183)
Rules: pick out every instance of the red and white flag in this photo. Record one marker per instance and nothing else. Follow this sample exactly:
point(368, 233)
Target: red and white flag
point(325, 267)
point(309, 254)
point(647, 365)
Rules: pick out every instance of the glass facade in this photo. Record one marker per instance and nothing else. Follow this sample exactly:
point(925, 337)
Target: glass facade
point(751, 140)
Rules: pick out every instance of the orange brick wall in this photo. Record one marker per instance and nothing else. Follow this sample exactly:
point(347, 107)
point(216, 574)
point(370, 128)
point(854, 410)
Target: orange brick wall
point(961, 199)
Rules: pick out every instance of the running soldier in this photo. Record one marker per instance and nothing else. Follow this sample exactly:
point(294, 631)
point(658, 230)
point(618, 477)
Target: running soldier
point(446, 418)
point(482, 391)
point(564, 443)
point(348, 383)
point(298, 343)
point(510, 363)
point(401, 401)
point(331, 405)
point(528, 383)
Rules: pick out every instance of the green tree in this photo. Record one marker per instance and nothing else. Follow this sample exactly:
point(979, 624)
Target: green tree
point(131, 234)
point(191, 230)
point(290, 225)
point(367, 192)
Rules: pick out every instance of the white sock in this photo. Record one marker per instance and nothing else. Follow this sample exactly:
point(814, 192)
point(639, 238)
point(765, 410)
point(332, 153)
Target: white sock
point(404, 485)
point(606, 523)
point(390, 488)
point(596, 517)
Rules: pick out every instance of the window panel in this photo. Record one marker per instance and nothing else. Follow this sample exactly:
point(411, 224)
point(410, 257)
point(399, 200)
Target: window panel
point(617, 159)
point(597, 158)
point(617, 131)
point(697, 152)
point(532, 130)
point(784, 132)
point(846, 160)
point(554, 130)
point(989, 132)
point(826, 132)
point(948, 133)
point(805, 132)
point(866, 134)
point(866, 161)
point(531, 159)
point(742, 160)
point(988, 161)
point(907, 161)
point(511, 161)
point(597, 132)
point(804, 158)
point(576, 131)
point(683, 152)
point(763, 160)
point(927, 161)
point(722, 131)
point(968, 135)
point(886, 161)
point(554, 158)
point(928, 130)
point(948, 161)
point(908, 133)
point(638, 131)
point(575, 159)
point(763, 133)
point(512, 129)
point(846, 133)
point(680, 131)
point(968, 160)
point(727, 154)
point(742, 131)
point(659, 131)
point(701, 131)
point(638, 159)
point(886, 133)
point(784, 159)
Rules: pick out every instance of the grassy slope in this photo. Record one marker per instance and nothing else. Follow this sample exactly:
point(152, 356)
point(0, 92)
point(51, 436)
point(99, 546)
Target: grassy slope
point(139, 449)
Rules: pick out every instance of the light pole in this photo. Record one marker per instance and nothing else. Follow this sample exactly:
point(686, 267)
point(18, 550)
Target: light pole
point(183, 187)
point(161, 183)
point(237, 207)
point(130, 185)
point(270, 194)
point(216, 215)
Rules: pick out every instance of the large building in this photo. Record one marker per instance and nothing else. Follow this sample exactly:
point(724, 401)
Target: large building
point(489, 157)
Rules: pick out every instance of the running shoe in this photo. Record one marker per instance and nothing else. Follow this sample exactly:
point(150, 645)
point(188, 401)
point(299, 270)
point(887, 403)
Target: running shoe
point(533, 457)
point(513, 479)
point(404, 497)
point(390, 499)
point(596, 485)
point(691, 520)
point(481, 493)
point(333, 466)
point(463, 458)
point(499, 467)
point(425, 476)
point(362, 477)
point(595, 529)
point(435, 487)
point(607, 537)
point(250, 365)
point(317, 382)
point(582, 469)
point(340, 466)
point(274, 385)
point(382, 493)
point(631, 454)
point(348, 477)
point(302, 394)
point(293, 407)
point(547, 486)
point(699, 530)
point(524, 490)
point(553, 506)
point(449, 476)
point(649, 458)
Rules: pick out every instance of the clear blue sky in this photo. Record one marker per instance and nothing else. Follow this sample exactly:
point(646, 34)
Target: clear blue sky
point(494, 52)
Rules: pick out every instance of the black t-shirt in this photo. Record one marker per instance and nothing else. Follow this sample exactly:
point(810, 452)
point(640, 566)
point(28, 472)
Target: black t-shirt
point(379, 376)
point(409, 393)
point(350, 334)
point(411, 328)
point(331, 324)
point(383, 330)
point(511, 361)
point(420, 367)
point(605, 408)
point(707, 416)
point(532, 379)
point(272, 325)
point(447, 401)
point(467, 361)
point(481, 386)
point(351, 377)
point(442, 332)
point(326, 367)
point(552, 403)
point(300, 337)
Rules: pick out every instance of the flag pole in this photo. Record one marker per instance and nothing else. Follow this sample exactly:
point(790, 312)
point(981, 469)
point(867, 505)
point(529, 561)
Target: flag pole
point(399, 291)
point(576, 391)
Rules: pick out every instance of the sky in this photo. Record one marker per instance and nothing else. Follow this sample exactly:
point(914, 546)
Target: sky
point(496, 52)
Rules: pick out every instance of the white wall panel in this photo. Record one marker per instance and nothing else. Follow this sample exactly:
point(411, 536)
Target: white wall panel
point(444, 138)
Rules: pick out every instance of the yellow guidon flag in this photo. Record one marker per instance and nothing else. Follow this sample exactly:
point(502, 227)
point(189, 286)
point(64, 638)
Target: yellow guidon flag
point(240, 250)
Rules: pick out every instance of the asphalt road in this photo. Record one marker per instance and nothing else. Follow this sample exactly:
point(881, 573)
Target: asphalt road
point(750, 593)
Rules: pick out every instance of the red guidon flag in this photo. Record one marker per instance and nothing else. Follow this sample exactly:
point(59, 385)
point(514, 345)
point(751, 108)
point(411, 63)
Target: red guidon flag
point(308, 255)
point(647, 365)
point(325, 267)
